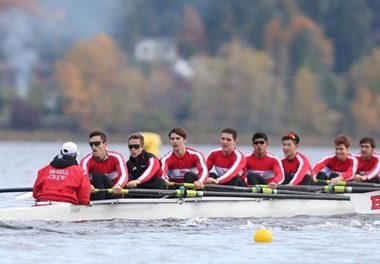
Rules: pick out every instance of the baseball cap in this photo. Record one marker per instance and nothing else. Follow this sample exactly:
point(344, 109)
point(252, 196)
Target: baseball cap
point(70, 149)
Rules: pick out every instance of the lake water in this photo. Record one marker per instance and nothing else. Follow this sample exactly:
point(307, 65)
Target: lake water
point(344, 239)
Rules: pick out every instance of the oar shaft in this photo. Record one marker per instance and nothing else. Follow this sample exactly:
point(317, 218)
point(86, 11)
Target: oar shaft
point(191, 193)
point(352, 183)
point(278, 196)
point(21, 189)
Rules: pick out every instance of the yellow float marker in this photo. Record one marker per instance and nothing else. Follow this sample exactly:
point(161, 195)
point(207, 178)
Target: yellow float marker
point(152, 142)
point(263, 235)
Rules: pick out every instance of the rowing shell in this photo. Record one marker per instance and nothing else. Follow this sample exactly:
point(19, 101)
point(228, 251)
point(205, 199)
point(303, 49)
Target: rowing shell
point(149, 209)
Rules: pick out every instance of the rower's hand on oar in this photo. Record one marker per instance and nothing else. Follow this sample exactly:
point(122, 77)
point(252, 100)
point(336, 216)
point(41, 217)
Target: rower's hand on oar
point(168, 183)
point(360, 178)
point(335, 180)
point(116, 189)
point(272, 185)
point(133, 184)
point(92, 188)
point(198, 185)
point(212, 181)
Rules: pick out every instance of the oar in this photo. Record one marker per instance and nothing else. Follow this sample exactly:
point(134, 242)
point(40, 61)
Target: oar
point(253, 189)
point(183, 193)
point(24, 196)
point(326, 188)
point(229, 188)
point(21, 189)
point(352, 183)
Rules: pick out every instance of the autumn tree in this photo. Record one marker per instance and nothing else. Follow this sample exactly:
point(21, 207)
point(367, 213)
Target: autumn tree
point(308, 110)
point(304, 41)
point(99, 88)
point(347, 23)
point(192, 36)
point(364, 85)
point(236, 88)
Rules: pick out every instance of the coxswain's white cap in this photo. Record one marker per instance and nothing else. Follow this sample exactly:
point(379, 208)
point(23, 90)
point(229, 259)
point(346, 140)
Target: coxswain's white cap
point(70, 149)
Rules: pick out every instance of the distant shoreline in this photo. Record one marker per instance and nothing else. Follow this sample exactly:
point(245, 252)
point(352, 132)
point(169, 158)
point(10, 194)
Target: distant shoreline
point(193, 138)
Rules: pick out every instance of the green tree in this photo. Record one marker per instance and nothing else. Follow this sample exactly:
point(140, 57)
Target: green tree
point(309, 112)
point(347, 23)
point(236, 89)
point(364, 82)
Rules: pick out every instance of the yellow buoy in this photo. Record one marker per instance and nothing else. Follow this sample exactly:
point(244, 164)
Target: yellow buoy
point(263, 235)
point(152, 142)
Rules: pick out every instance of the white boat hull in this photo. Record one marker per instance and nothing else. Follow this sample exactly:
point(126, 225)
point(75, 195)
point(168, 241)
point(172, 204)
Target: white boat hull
point(149, 209)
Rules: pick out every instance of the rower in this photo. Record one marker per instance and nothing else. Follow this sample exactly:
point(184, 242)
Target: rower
point(296, 165)
point(227, 161)
point(63, 180)
point(339, 167)
point(263, 167)
point(368, 162)
point(106, 168)
point(183, 164)
point(143, 167)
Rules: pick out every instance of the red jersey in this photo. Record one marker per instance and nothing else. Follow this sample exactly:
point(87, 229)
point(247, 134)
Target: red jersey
point(174, 167)
point(113, 167)
point(299, 167)
point(268, 167)
point(226, 167)
point(330, 164)
point(369, 168)
point(68, 184)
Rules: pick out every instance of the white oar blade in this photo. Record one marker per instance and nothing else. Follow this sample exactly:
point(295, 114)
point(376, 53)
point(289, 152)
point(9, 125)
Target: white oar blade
point(366, 203)
point(24, 196)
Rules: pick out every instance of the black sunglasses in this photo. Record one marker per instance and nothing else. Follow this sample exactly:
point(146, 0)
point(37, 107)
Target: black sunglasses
point(95, 143)
point(134, 146)
point(259, 142)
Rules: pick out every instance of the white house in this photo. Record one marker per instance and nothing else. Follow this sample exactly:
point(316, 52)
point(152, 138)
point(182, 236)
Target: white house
point(153, 49)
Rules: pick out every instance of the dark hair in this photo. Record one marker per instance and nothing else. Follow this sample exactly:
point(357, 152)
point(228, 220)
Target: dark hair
point(98, 133)
point(342, 139)
point(231, 131)
point(258, 135)
point(369, 140)
point(137, 136)
point(292, 136)
point(180, 131)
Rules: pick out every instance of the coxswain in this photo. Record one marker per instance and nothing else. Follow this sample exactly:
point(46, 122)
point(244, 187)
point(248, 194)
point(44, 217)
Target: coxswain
point(63, 180)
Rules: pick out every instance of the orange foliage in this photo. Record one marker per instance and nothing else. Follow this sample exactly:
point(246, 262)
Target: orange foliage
point(276, 35)
point(365, 111)
point(192, 28)
point(96, 83)
point(273, 33)
point(301, 23)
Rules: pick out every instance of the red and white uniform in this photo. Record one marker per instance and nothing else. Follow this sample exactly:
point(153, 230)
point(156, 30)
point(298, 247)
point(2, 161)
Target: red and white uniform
point(68, 184)
point(113, 167)
point(174, 167)
point(268, 167)
point(226, 167)
point(369, 168)
point(330, 164)
point(299, 167)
